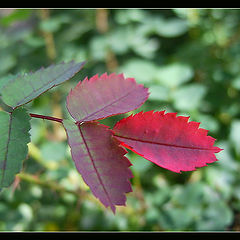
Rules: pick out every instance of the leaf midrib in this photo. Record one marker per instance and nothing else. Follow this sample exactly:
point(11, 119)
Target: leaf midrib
point(44, 85)
point(111, 103)
point(23, 101)
point(164, 144)
point(94, 166)
point(7, 147)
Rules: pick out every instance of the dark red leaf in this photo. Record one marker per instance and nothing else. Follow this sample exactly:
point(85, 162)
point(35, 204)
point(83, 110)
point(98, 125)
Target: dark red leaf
point(100, 160)
point(104, 96)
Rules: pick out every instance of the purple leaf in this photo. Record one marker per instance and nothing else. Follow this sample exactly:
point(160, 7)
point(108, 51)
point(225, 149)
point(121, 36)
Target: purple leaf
point(100, 160)
point(104, 96)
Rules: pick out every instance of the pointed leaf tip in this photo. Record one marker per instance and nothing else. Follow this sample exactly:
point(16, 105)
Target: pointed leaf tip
point(167, 140)
point(104, 96)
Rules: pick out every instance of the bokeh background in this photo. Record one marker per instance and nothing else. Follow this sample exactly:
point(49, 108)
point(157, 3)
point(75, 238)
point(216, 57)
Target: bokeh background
point(189, 59)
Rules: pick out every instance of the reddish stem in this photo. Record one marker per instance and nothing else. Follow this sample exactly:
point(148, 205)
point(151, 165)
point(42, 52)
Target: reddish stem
point(46, 117)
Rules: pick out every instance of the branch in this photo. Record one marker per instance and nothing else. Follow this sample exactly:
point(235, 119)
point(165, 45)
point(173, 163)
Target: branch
point(46, 117)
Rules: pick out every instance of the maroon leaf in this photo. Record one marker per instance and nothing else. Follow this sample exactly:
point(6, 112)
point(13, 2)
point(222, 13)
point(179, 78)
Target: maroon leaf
point(104, 96)
point(167, 140)
point(100, 160)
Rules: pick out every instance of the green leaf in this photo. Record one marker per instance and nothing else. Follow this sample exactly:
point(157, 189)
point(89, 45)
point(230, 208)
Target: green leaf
point(236, 82)
point(234, 135)
point(139, 163)
point(226, 159)
point(14, 132)
point(6, 63)
point(143, 71)
point(215, 217)
point(26, 87)
point(189, 97)
point(50, 25)
point(172, 28)
point(127, 16)
point(4, 80)
point(208, 122)
point(158, 93)
point(14, 16)
point(174, 74)
point(53, 151)
point(5, 107)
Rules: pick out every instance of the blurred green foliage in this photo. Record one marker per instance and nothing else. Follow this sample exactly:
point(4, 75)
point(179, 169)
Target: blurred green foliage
point(189, 59)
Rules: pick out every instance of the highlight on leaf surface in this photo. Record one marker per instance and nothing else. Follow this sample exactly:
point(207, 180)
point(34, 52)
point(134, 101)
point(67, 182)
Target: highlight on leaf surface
point(14, 132)
point(167, 140)
point(104, 96)
point(21, 89)
point(100, 160)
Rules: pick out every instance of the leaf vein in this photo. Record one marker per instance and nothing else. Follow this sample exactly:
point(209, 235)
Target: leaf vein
point(111, 103)
point(7, 147)
point(165, 144)
point(94, 166)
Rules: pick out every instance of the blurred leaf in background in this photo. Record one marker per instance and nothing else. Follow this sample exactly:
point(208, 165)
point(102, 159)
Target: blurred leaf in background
point(189, 59)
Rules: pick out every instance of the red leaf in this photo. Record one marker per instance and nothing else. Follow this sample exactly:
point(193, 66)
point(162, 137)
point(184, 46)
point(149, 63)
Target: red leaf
point(167, 140)
point(100, 160)
point(104, 96)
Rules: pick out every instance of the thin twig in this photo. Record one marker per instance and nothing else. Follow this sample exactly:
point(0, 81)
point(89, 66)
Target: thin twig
point(46, 117)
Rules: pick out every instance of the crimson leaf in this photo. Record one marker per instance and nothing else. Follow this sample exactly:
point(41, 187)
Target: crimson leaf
point(167, 140)
point(104, 96)
point(100, 160)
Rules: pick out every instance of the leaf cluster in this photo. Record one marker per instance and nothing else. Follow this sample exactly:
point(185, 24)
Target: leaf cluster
point(200, 56)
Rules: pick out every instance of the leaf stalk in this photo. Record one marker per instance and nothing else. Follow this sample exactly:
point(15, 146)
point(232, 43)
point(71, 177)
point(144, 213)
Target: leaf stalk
point(46, 117)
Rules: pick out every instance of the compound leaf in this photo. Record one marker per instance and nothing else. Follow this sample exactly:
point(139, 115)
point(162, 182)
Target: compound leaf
point(14, 132)
point(24, 88)
point(104, 96)
point(167, 140)
point(100, 160)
